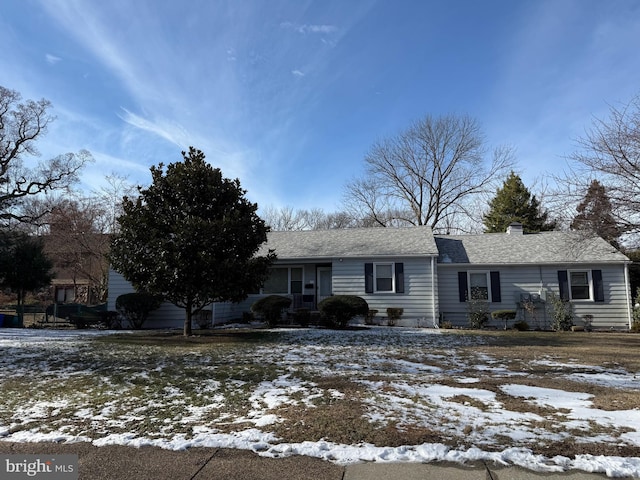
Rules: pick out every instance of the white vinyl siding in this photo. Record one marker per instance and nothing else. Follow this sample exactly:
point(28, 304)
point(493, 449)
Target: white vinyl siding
point(518, 280)
point(167, 316)
point(417, 299)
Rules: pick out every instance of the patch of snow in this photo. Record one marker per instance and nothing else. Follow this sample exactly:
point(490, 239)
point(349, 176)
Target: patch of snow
point(399, 385)
point(467, 380)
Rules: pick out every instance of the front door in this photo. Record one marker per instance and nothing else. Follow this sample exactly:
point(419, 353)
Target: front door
point(324, 283)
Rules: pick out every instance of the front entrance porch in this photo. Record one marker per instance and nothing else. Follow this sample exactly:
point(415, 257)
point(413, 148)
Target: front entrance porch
point(315, 286)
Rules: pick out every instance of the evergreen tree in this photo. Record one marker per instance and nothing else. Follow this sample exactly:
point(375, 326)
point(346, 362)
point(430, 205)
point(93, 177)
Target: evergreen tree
point(192, 238)
point(595, 214)
point(24, 267)
point(514, 203)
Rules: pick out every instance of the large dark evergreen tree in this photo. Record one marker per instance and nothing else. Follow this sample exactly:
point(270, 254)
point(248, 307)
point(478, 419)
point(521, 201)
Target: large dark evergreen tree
point(515, 203)
point(24, 267)
point(595, 215)
point(191, 237)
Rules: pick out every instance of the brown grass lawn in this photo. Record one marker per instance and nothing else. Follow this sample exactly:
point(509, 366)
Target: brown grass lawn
point(386, 387)
point(539, 359)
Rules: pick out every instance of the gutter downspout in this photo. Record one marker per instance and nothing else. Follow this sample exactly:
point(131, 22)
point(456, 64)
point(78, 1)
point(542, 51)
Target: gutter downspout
point(433, 291)
point(628, 290)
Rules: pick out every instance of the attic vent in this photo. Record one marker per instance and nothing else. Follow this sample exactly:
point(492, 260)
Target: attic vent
point(515, 228)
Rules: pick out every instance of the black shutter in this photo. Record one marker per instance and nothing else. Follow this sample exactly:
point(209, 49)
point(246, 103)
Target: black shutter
point(495, 287)
point(598, 286)
point(563, 283)
point(368, 277)
point(399, 277)
point(463, 287)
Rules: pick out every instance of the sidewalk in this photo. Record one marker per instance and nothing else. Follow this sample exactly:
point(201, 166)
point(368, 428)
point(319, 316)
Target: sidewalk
point(150, 463)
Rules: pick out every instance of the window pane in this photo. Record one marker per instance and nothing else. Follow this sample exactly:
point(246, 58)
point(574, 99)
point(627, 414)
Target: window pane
point(579, 278)
point(579, 285)
point(383, 271)
point(383, 284)
point(478, 280)
point(296, 280)
point(384, 278)
point(277, 282)
point(479, 287)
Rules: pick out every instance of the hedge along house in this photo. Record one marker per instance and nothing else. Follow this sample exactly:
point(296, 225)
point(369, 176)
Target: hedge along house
point(518, 271)
point(388, 267)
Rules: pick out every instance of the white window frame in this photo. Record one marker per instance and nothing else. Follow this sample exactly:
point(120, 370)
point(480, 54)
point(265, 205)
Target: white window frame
point(487, 275)
point(393, 277)
point(589, 286)
point(289, 280)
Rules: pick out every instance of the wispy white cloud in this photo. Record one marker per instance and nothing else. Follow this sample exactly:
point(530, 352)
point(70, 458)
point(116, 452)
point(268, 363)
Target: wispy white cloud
point(52, 59)
point(304, 28)
point(170, 131)
point(228, 89)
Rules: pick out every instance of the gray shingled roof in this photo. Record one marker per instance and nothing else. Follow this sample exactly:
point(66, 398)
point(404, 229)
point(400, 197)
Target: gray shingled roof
point(352, 242)
point(536, 248)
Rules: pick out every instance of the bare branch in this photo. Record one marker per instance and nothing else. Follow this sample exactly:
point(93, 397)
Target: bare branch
point(424, 175)
point(21, 124)
point(610, 153)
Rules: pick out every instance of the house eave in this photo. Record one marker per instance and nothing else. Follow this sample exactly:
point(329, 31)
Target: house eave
point(355, 257)
point(535, 264)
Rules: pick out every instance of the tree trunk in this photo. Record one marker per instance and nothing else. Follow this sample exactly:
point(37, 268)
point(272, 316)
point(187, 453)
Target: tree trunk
point(20, 307)
point(187, 321)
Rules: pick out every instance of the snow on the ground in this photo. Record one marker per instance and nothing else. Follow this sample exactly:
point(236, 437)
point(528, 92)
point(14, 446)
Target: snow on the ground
point(61, 386)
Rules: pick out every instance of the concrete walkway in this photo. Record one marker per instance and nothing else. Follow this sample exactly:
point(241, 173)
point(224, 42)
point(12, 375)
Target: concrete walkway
point(150, 463)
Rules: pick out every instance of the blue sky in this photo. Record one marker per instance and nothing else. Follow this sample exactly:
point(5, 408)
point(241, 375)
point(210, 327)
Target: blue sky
point(288, 96)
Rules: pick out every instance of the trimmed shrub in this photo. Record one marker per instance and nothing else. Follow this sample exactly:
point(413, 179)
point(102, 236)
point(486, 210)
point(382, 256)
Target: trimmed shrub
point(371, 315)
point(302, 316)
point(504, 315)
point(137, 306)
point(271, 307)
point(393, 315)
point(247, 317)
point(340, 309)
point(521, 326)
point(588, 322)
point(111, 320)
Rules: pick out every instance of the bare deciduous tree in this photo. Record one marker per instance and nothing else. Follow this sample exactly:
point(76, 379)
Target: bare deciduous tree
point(426, 174)
point(111, 196)
point(288, 219)
point(284, 219)
point(78, 242)
point(21, 124)
point(610, 152)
